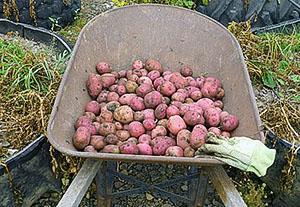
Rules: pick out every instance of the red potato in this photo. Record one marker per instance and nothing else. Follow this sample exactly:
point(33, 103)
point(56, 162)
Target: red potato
point(94, 85)
point(163, 122)
point(111, 149)
point(83, 121)
point(200, 81)
point(193, 118)
point(119, 126)
point(145, 80)
point(123, 135)
point(137, 64)
point(137, 72)
point(225, 134)
point(167, 88)
point(103, 67)
point(138, 116)
point(198, 135)
point(167, 77)
point(158, 131)
point(144, 149)
point(196, 95)
point(144, 139)
point(122, 81)
point(107, 128)
point(133, 140)
point(205, 103)
point(111, 139)
point(136, 129)
point(183, 138)
point(218, 104)
point(172, 111)
point(131, 86)
point(188, 101)
point(161, 144)
point(123, 114)
point(152, 99)
point(116, 74)
point(166, 73)
point(89, 148)
point(229, 123)
point(144, 72)
point(102, 97)
point(112, 96)
point(212, 117)
point(174, 151)
point(211, 87)
point(105, 116)
point(82, 138)
point(189, 152)
point(161, 111)
point(144, 89)
point(178, 80)
point(97, 126)
point(149, 114)
point(175, 124)
point(133, 78)
point(126, 98)
point(129, 148)
point(178, 96)
point(191, 81)
point(121, 90)
point(220, 94)
point(186, 71)
point(152, 64)
point(137, 104)
point(126, 127)
point(93, 129)
point(157, 82)
point(112, 105)
point(153, 75)
point(113, 88)
point(93, 106)
point(149, 124)
point(215, 130)
point(178, 104)
point(97, 142)
point(107, 80)
point(223, 114)
point(90, 115)
point(191, 89)
point(122, 73)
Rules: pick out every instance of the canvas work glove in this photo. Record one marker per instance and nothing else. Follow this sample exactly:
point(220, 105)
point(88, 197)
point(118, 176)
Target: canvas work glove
point(240, 152)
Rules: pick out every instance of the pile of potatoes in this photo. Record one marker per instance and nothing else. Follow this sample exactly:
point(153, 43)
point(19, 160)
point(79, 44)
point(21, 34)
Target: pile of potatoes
point(146, 110)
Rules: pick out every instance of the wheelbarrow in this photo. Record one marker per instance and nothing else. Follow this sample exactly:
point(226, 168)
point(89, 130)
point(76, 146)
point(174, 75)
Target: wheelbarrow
point(175, 36)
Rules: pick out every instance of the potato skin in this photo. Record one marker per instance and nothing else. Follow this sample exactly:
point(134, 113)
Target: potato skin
point(83, 121)
point(111, 149)
point(123, 114)
point(149, 114)
point(152, 99)
point(123, 135)
point(172, 111)
point(183, 138)
point(167, 88)
point(89, 148)
point(136, 129)
point(175, 124)
point(107, 80)
point(152, 64)
point(215, 130)
point(178, 80)
point(82, 137)
point(144, 89)
point(193, 118)
point(174, 151)
point(129, 148)
point(138, 116)
point(137, 104)
point(161, 111)
point(103, 67)
point(158, 131)
point(153, 75)
point(144, 138)
point(161, 144)
point(107, 128)
point(144, 149)
point(197, 138)
point(126, 98)
point(111, 139)
point(97, 142)
point(186, 71)
point(189, 152)
point(94, 85)
point(229, 123)
point(212, 117)
point(137, 64)
point(149, 124)
point(93, 106)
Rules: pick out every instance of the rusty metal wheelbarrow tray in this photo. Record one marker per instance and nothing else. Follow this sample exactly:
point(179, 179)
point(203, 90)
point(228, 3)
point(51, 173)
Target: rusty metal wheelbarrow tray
point(174, 36)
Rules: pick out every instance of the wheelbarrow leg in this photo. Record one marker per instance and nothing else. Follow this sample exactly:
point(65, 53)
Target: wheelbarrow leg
point(104, 182)
point(198, 188)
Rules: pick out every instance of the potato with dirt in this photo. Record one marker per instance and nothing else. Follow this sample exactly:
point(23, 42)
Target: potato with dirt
point(83, 121)
point(161, 111)
point(144, 89)
point(107, 128)
point(129, 148)
point(122, 135)
point(182, 138)
point(212, 117)
point(93, 106)
point(161, 144)
point(136, 129)
point(103, 67)
point(174, 151)
point(152, 64)
point(137, 104)
point(138, 116)
point(107, 80)
point(123, 114)
point(175, 124)
point(144, 149)
point(198, 135)
point(152, 99)
point(114, 149)
point(82, 138)
point(131, 86)
point(229, 123)
point(98, 142)
point(167, 88)
point(158, 131)
point(94, 85)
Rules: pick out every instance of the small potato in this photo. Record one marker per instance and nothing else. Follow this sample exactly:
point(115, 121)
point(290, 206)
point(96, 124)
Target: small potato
point(89, 148)
point(97, 142)
point(212, 117)
point(149, 124)
point(200, 81)
point(93, 129)
point(161, 111)
point(196, 95)
point(137, 104)
point(175, 124)
point(191, 89)
point(136, 129)
point(188, 100)
point(229, 123)
point(94, 85)
point(121, 90)
point(215, 130)
point(183, 138)
point(129, 148)
point(112, 105)
point(167, 88)
point(132, 78)
point(131, 86)
point(122, 81)
point(178, 104)
point(119, 126)
point(82, 138)
point(145, 80)
point(107, 80)
point(174, 151)
point(126, 98)
point(138, 116)
point(83, 121)
point(154, 74)
point(113, 88)
point(186, 71)
point(144, 138)
point(103, 67)
point(193, 118)
point(218, 104)
point(122, 73)
point(191, 81)
point(90, 115)
point(144, 149)
point(189, 152)
point(158, 131)
point(225, 134)
point(177, 96)
point(105, 116)
point(159, 81)
point(107, 128)
point(97, 126)
point(205, 103)
point(163, 122)
point(93, 106)
point(198, 135)
point(144, 89)
point(111, 139)
point(178, 80)
point(172, 111)
point(111, 149)
point(152, 99)
point(112, 96)
point(133, 140)
point(102, 97)
point(123, 114)
point(161, 144)
point(123, 135)
point(137, 64)
point(152, 64)
point(137, 72)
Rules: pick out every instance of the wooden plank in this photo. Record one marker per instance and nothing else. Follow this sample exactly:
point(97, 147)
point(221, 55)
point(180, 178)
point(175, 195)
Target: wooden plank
point(225, 187)
point(201, 189)
point(80, 184)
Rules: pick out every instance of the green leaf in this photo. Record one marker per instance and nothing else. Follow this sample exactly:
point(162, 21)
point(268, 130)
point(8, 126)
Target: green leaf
point(295, 78)
point(296, 97)
point(280, 81)
point(268, 79)
point(283, 65)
